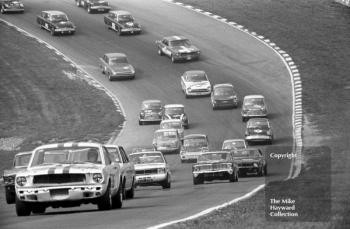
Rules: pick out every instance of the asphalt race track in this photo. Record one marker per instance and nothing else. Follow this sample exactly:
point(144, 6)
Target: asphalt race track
point(228, 55)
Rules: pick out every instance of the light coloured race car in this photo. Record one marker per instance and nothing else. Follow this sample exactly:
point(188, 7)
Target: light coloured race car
point(122, 22)
point(193, 146)
point(20, 163)
point(215, 166)
point(116, 66)
point(254, 106)
point(127, 169)
point(68, 175)
point(151, 111)
point(195, 83)
point(56, 22)
point(231, 144)
point(224, 96)
point(151, 169)
point(258, 130)
point(177, 48)
point(176, 111)
point(173, 124)
point(94, 5)
point(250, 161)
point(7, 6)
point(167, 141)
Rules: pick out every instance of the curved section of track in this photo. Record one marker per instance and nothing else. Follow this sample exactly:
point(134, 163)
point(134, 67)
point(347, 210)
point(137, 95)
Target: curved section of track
point(228, 56)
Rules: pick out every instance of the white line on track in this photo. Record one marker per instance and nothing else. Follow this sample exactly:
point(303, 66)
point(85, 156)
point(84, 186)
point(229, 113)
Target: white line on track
point(297, 110)
point(92, 81)
point(209, 210)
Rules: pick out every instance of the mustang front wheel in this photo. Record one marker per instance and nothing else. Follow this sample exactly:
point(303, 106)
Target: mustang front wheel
point(22, 208)
point(105, 202)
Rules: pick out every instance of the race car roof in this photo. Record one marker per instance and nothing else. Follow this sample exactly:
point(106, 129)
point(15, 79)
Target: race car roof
point(223, 85)
point(120, 12)
point(151, 101)
point(175, 38)
point(117, 54)
point(55, 12)
point(173, 105)
point(195, 136)
point(253, 96)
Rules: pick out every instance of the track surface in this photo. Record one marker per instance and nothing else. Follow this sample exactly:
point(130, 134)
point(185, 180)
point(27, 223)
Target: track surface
point(228, 55)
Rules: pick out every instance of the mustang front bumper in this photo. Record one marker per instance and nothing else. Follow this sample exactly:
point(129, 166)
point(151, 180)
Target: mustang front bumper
point(100, 8)
point(13, 9)
point(186, 56)
point(198, 91)
point(150, 179)
point(65, 30)
point(61, 193)
point(211, 173)
point(131, 30)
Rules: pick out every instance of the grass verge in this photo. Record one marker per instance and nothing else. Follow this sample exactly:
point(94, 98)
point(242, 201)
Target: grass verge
point(316, 35)
point(43, 99)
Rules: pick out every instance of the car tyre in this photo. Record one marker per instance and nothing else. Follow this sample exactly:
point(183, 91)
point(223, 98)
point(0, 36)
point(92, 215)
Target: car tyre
point(160, 53)
point(261, 172)
point(265, 170)
point(244, 119)
point(52, 31)
point(141, 123)
point(131, 193)
point(89, 9)
point(119, 31)
point(105, 202)
point(22, 208)
point(198, 180)
point(78, 3)
point(173, 59)
point(167, 183)
point(233, 177)
point(2, 10)
point(109, 76)
point(117, 201)
point(10, 197)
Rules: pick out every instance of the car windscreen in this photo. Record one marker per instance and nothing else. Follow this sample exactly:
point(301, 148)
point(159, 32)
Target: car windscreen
point(166, 135)
point(183, 42)
point(258, 125)
point(245, 153)
point(224, 91)
point(148, 158)
point(196, 77)
point(151, 106)
point(59, 17)
point(213, 157)
point(67, 155)
point(125, 18)
point(117, 60)
point(195, 143)
point(174, 110)
point(22, 160)
point(254, 102)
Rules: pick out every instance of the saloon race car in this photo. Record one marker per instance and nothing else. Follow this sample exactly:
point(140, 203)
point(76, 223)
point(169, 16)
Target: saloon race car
point(151, 111)
point(195, 83)
point(167, 141)
point(258, 130)
point(151, 169)
point(94, 5)
point(215, 166)
point(176, 111)
point(193, 146)
point(116, 66)
point(250, 160)
point(231, 144)
point(20, 163)
point(173, 124)
point(224, 96)
point(11, 6)
point(68, 175)
point(127, 169)
point(253, 107)
point(177, 48)
point(122, 22)
point(55, 22)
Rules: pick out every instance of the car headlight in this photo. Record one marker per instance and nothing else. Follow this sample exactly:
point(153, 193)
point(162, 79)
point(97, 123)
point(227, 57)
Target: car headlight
point(21, 181)
point(268, 132)
point(21, 5)
point(9, 179)
point(255, 164)
point(196, 169)
point(142, 114)
point(208, 87)
point(97, 177)
point(184, 117)
point(161, 170)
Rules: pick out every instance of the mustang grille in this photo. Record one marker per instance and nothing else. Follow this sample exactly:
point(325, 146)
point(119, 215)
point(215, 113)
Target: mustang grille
point(146, 171)
point(245, 164)
point(58, 178)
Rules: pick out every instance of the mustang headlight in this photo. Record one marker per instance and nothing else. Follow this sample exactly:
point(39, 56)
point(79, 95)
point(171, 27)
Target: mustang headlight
point(142, 114)
point(161, 170)
point(97, 177)
point(21, 181)
point(255, 164)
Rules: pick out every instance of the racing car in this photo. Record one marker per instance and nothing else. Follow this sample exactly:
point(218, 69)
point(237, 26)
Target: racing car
point(195, 83)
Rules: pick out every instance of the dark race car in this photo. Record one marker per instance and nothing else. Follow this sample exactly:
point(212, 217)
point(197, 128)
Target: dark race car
point(254, 106)
point(122, 22)
point(193, 146)
point(258, 130)
point(224, 96)
point(215, 166)
point(151, 111)
point(177, 48)
point(250, 161)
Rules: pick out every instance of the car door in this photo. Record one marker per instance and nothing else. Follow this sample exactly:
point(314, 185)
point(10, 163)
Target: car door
point(112, 169)
point(128, 168)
